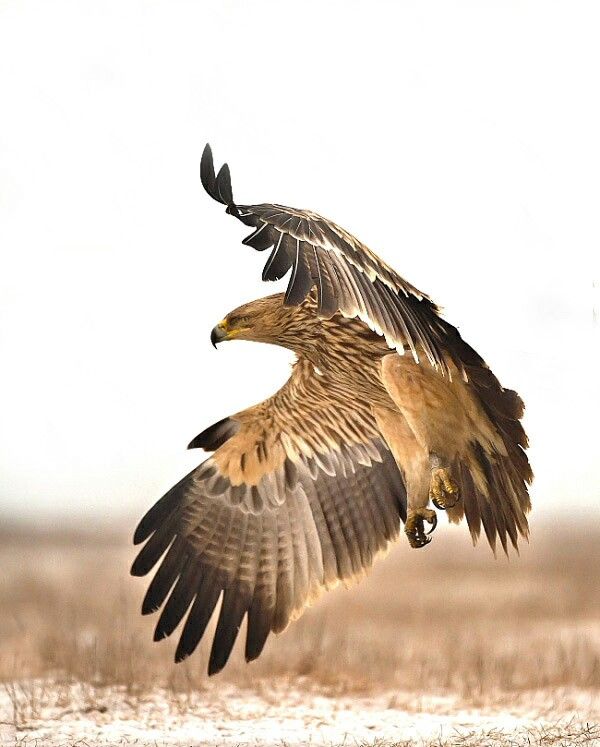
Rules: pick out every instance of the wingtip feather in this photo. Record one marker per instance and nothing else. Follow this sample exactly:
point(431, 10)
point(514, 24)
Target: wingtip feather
point(214, 667)
point(219, 186)
point(207, 172)
point(224, 185)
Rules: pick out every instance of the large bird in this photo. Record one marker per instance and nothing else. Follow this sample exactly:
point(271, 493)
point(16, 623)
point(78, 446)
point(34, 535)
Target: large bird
point(386, 409)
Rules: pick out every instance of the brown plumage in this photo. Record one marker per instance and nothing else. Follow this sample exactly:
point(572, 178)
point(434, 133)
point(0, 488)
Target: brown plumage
point(304, 489)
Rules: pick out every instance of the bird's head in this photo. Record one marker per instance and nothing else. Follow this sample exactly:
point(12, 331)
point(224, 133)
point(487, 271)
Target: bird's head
point(263, 320)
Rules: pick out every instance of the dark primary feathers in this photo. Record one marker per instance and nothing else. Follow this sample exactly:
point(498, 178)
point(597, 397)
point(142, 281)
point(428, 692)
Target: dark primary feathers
point(348, 276)
point(300, 494)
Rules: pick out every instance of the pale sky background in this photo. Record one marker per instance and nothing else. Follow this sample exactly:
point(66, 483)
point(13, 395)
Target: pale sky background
point(460, 140)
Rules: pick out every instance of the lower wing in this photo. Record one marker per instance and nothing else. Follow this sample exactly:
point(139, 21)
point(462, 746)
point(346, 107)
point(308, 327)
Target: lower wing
point(301, 493)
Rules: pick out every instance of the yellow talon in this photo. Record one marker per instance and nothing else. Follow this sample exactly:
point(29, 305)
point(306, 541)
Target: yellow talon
point(443, 491)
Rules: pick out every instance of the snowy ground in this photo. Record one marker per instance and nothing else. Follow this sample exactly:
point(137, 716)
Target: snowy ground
point(505, 654)
point(79, 715)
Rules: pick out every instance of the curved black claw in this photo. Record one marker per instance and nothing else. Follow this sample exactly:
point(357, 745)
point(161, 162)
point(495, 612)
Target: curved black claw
point(433, 524)
point(444, 506)
point(415, 526)
point(418, 539)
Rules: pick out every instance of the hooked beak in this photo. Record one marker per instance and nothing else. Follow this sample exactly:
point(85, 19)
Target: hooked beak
point(218, 334)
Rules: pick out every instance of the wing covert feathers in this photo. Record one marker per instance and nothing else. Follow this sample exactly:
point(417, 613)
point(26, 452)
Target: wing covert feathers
point(275, 516)
point(348, 276)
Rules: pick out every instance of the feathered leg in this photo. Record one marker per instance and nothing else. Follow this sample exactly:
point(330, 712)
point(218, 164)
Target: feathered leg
point(464, 434)
point(413, 460)
point(443, 417)
point(443, 491)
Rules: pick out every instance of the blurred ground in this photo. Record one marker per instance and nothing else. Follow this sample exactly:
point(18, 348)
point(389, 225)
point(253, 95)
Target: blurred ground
point(440, 646)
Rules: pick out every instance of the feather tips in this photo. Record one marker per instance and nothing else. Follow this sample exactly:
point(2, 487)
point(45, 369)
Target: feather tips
point(349, 277)
point(266, 565)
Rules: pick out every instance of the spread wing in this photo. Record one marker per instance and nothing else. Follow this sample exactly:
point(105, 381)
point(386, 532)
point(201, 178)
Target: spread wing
point(348, 276)
point(300, 493)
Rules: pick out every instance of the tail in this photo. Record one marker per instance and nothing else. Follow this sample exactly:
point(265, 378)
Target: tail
point(494, 486)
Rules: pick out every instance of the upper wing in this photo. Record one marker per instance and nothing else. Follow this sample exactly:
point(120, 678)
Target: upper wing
point(349, 277)
point(300, 493)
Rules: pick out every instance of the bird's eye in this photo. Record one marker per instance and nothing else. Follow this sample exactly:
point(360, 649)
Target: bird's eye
point(239, 321)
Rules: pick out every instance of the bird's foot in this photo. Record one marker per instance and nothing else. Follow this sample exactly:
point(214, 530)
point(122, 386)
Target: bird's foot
point(415, 527)
point(443, 491)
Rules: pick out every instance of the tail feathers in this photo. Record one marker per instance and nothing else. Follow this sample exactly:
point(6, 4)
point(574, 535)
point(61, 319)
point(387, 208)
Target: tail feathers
point(494, 497)
point(494, 486)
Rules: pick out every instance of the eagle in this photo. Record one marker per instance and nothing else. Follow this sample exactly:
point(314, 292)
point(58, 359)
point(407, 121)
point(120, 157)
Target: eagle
point(387, 409)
